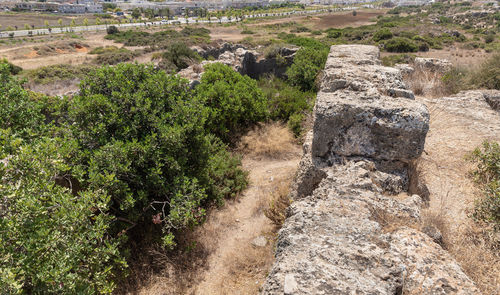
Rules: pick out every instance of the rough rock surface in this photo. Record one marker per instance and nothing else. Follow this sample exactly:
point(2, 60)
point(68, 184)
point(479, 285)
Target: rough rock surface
point(244, 61)
point(432, 64)
point(364, 109)
point(347, 232)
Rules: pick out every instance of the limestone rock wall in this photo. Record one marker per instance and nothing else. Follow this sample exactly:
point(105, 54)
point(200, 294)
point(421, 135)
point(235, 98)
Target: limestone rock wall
point(353, 228)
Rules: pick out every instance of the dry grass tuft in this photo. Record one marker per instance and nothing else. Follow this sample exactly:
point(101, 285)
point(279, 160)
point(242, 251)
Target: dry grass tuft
point(271, 140)
point(278, 202)
point(247, 270)
point(477, 256)
point(426, 83)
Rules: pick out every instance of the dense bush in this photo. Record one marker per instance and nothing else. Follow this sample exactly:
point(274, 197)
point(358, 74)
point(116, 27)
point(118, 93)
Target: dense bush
point(487, 174)
point(188, 35)
point(382, 34)
point(113, 56)
point(19, 113)
point(143, 139)
point(112, 30)
point(13, 69)
point(287, 103)
point(308, 62)
point(234, 101)
point(133, 156)
point(400, 45)
point(51, 241)
point(55, 73)
point(391, 60)
point(177, 57)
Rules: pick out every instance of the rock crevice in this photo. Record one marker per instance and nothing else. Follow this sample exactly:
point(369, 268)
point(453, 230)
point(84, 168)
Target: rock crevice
point(353, 227)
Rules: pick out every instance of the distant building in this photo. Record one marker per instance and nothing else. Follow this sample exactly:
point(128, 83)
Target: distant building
point(60, 7)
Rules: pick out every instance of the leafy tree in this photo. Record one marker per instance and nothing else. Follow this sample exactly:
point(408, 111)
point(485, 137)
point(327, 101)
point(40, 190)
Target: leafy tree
point(136, 13)
point(234, 101)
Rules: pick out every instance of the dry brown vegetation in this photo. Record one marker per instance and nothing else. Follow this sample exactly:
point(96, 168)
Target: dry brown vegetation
point(272, 141)
point(452, 193)
point(427, 83)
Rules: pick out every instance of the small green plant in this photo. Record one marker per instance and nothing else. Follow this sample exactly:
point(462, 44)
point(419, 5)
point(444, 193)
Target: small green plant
point(487, 174)
point(400, 45)
point(383, 34)
point(247, 32)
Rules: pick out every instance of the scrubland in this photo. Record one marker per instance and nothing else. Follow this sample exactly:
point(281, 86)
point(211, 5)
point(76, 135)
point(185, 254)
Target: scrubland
point(139, 183)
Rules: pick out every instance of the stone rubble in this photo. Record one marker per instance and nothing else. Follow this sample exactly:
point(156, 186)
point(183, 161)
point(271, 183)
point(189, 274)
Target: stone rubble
point(242, 60)
point(353, 228)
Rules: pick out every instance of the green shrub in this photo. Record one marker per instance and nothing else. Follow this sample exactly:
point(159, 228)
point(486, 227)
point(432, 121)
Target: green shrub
point(487, 174)
point(295, 124)
point(391, 60)
point(51, 241)
point(143, 139)
point(13, 69)
point(400, 45)
point(382, 34)
point(55, 73)
point(489, 38)
point(300, 29)
point(111, 30)
point(178, 56)
point(112, 56)
point(234, 101)
point(19, 113)
point(308, 62)
point(247, 32)
point(454, 80)
point(284, 99)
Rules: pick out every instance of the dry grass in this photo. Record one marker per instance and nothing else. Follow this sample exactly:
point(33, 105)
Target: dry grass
point(278, 202)
point(247, 271)
point(426, 83)
point(268, 141)
point(478, 258)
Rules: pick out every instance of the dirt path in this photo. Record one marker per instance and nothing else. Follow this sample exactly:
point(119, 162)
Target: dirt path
point(233, 264)
point(230, 265)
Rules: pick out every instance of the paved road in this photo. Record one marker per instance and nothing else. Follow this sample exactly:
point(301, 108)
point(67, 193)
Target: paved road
point(190, 20)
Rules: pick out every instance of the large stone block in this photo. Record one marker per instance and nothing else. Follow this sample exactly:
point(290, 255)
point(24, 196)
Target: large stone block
point(377, 127)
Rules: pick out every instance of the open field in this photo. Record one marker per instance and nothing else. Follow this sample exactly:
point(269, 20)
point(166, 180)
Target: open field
point(20, 19)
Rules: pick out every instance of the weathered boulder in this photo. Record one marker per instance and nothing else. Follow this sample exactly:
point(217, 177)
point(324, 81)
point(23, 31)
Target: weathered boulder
point(364, 109)
point(349, 124)
point(342, 239)
point(244, 61)
point(352, 229)
point(492, 97)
